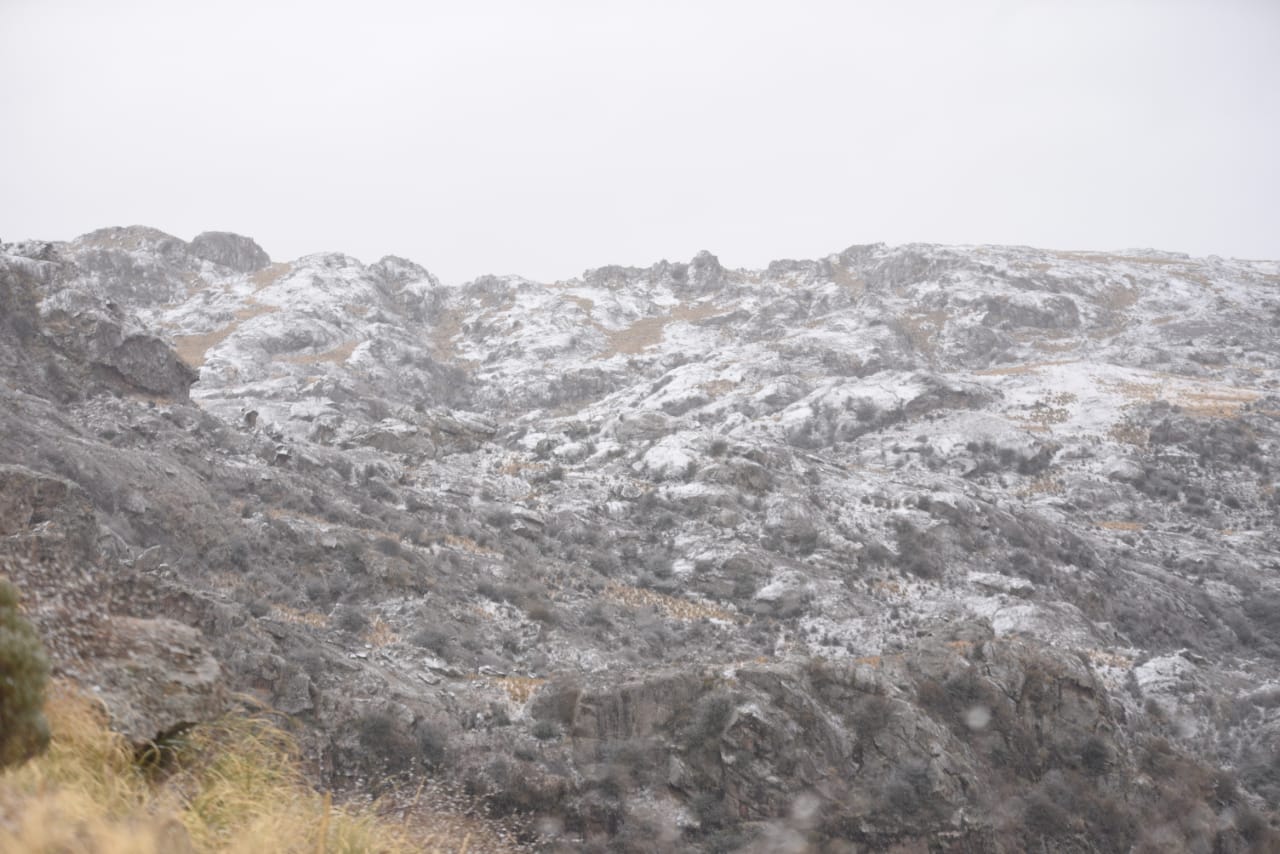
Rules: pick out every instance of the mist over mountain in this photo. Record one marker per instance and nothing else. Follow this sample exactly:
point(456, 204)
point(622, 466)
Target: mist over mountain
point(911, 548)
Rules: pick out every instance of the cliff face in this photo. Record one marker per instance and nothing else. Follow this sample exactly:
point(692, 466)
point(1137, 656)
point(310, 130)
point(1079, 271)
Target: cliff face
point(950, 549)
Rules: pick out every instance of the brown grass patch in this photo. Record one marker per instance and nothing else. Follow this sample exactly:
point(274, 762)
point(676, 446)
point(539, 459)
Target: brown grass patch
point(1045, 346)
point(1116, 525)
point(269, 275)
point(1210, 401)
point(921, 329)
point(285, 614)
point(716, 388)
point(518, 688)
point(1045, 484)
point(1103, 658)
point(648, 331)
point(380, 634)
point(892, 588)
point(192, 348)
point(1120, 297)
point(336, 356)
point(1028, 368)
point(841, 276)
point(467, 544)
point(672, 606)
point(1047, 411)
point(1129, 434)
point(1112, 258)
point(516, 468)
point(234, 785)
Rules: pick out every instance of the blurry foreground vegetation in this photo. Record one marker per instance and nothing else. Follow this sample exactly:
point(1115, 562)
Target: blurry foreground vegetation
point(232, 786)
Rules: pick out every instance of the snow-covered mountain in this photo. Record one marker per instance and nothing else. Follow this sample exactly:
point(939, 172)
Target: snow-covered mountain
point(939, 546)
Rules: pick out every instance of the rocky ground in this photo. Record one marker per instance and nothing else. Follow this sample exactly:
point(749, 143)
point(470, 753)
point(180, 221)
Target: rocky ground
point(948, 549)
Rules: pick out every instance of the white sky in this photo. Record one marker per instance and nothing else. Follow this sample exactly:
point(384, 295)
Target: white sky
point(545, 138)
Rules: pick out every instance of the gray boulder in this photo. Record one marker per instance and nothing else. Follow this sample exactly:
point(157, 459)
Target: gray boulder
point(239, 253)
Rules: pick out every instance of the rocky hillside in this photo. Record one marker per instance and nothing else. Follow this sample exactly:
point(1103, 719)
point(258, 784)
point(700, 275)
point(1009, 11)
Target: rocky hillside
point(948, 549)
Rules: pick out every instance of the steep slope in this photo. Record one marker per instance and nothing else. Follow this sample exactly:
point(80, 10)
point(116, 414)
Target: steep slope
point(970, 548)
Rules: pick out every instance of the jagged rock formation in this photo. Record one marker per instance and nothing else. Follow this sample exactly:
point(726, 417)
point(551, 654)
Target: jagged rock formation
point(946, 549)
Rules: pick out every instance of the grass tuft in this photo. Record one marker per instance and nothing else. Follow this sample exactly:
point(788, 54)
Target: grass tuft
point(232, 786)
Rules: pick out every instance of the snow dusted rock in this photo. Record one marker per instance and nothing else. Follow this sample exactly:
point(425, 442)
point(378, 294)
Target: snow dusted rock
point(897, 547)
point(668, 460)
point(234, 251)
point(156, 678)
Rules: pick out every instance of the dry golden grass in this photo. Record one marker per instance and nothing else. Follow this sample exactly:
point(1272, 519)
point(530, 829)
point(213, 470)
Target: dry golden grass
point(1047, 411)
point(1209, 400)
point(672, 606)
point(1045, 346)
point(518, 688)
point(1045, 484)
point(1115, 525)
point(1216, 403)
point(446, 329)
point(1129, 433)
point(891, 588)
point(192, 348)
point(232, 786)
point(647, 331)
point(269, 275)
point(285, 614)
point(1111, 258)
point(1103, 658)
point(922, 328)
point(336, 356)
point(380, 634)
point(1120, 297)
point(467, 545)
point(1014, 370)
point(841, 276)
point(586, 304)
point(717, 388)
point(517, 467)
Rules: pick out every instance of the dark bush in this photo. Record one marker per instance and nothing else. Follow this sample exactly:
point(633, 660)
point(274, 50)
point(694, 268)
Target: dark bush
point(918, 551)
point(546, 730)
point(24, 671)
point(384, 746)
point(1043, 817)
point(1095, 756)
point(389, 546)
point(709, 720)
point(431, 638)
point(432, 743)
point(351, 619)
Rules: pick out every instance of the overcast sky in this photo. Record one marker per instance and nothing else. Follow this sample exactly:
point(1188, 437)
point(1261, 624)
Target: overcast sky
point(545, 138)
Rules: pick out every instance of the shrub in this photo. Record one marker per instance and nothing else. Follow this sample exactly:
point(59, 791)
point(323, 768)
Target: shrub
point(710, 718)
point(918, 551)
point(24, 670)
point(351, 619)
point(389, 546)
point(546, 730)
point(432, 742)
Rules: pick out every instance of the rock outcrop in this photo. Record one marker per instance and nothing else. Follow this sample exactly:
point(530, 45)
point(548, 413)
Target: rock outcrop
point(905, 548)
point(229, 250)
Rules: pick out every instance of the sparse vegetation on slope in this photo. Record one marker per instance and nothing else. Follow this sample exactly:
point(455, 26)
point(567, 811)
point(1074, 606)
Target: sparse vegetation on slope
point(24, 669)
point(235, 785)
